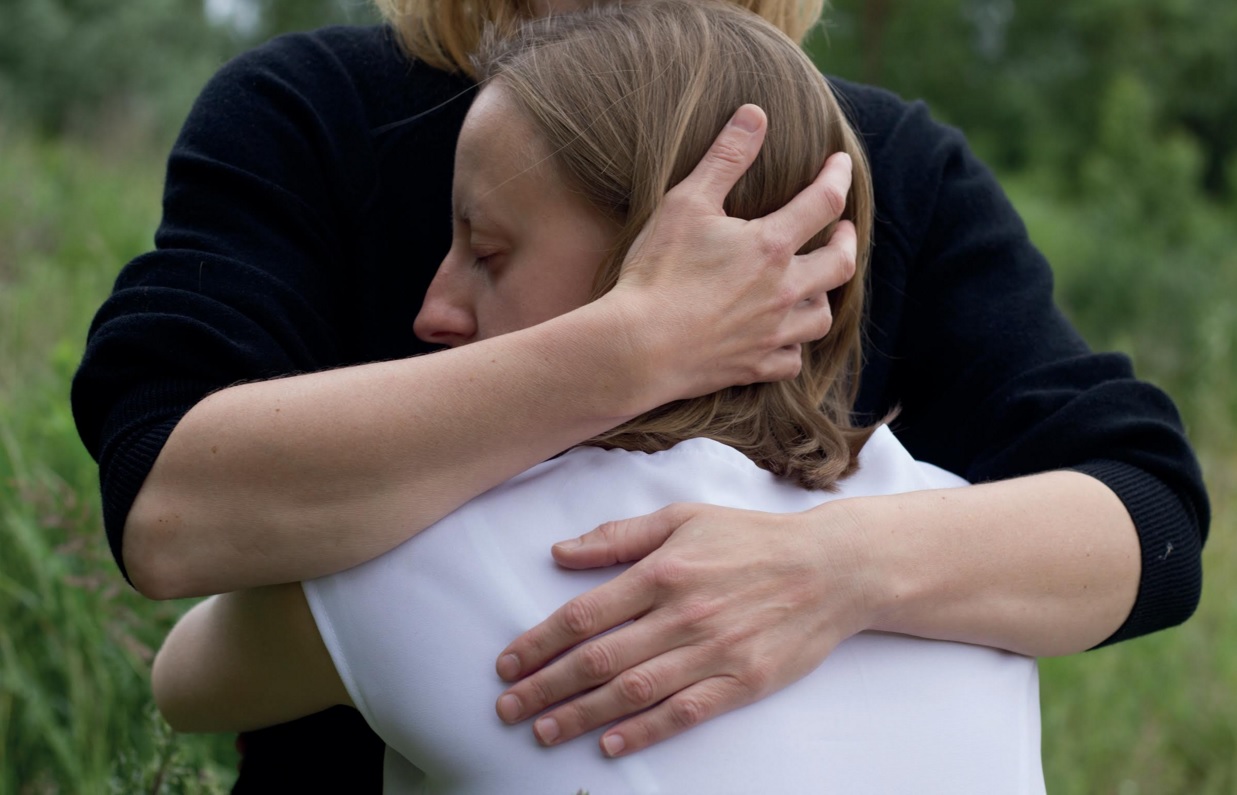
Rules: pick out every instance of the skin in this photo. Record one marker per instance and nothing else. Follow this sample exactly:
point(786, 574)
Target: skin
point(255, 481)
point(524, 250)
point(728, 605)
point(524, 247)
point(986, 565)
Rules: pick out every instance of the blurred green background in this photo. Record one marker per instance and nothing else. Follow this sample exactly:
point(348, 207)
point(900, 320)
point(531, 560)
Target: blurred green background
point(1112, 123)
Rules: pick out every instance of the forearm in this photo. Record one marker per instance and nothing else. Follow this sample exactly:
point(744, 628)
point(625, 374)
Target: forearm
point(257, 482)
point(1042, 565)
point(245, 660)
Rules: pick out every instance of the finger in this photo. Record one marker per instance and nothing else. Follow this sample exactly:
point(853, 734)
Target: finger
point(632, 691)
point(621, 541)
point(781, 364)
point(588, 666)
point(729, 156)
point(817, 205)
point(689, 707)
point(809, 322)
point(829, 267)
point(625, 597)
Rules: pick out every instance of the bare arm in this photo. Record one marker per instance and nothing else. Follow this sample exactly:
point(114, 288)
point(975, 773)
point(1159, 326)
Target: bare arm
point(243, 661)
point(254, 482)
point(733, 605)
point(1044, 565)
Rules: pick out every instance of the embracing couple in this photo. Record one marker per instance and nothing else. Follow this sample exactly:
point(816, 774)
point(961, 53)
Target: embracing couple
point(651, 235)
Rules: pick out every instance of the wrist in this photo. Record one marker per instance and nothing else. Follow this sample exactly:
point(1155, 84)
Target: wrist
point(629, 344)
point(886, 579)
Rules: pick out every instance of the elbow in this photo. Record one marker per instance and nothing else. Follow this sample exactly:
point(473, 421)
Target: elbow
point(153, 561)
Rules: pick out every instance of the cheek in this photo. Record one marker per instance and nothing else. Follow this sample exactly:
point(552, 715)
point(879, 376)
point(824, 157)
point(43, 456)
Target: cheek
point(560, 285)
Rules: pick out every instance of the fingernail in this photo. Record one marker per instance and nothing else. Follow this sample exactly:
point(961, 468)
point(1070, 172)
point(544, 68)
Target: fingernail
point(746, 119)
point(613, 744)
point(509, 708)
point(546, 730)
point(567, 546)
point(508, 666)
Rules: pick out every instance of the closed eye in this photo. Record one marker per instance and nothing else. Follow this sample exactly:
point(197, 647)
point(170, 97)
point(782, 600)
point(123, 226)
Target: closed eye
point(487, 262)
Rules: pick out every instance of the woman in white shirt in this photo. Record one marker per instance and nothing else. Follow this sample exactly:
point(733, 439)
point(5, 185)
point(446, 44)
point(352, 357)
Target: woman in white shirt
point(584, 124)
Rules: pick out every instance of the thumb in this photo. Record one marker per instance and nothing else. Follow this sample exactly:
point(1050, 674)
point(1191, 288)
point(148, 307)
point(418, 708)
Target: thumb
point(730, 155)
point(621, 541)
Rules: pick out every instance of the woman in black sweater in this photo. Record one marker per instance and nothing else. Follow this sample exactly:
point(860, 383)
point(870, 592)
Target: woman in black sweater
point(306, 206)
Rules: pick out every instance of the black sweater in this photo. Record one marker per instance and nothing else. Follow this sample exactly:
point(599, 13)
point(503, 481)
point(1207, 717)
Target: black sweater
point(307, 206)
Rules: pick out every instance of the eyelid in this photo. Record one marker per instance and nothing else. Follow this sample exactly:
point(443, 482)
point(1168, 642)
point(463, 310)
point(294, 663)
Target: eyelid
point(484, 257)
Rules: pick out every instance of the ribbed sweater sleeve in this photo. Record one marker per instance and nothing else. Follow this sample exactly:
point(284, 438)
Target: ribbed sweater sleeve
point(991, 379)
point(241, 285)
point(295, 188)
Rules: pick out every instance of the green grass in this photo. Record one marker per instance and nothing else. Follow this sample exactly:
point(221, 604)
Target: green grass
point(1156, 715)
point(76, 641)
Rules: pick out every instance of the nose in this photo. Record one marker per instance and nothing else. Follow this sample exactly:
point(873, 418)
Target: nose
point(447, 315)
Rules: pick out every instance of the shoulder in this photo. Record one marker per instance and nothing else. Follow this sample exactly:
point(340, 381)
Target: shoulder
point(887, 467)
point(892, 127)
point(914, 159)
point(681, 467)
point(337, 69)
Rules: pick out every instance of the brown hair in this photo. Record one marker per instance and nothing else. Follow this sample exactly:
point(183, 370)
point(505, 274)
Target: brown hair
point(445, 33)
point(628, 98)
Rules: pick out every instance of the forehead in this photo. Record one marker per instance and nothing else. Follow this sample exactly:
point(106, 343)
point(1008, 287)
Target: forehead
point(497, 131)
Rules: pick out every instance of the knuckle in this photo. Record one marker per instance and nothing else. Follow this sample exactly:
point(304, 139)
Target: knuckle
point(728, 152)
point(757, 677)
point(774, 247)
point(641, 733)
point(756, 373)
point(637, 688)
point(847, 262)
point(824, 322)
point(677, 200)
point(835, 200)
point(533, 645)
point(749, 673)
point(580, 617)
point(576, 715)
point(606, 532)
point(686, 711)
point(537, 693)
point(678, 513)
point(669, 573)
point(697, 612)
point(783, 366)
point(597, 662)
point(786, 297)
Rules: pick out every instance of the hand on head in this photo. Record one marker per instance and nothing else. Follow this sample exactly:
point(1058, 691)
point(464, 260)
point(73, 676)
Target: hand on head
point(728, 300)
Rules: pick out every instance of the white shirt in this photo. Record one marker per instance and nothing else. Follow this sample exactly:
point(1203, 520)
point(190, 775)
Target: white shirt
point(414, 635)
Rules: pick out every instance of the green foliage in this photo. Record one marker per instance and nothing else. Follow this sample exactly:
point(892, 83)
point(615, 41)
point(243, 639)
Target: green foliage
point(76, 65)
point(1156, 715)
point(1026, 80)
point(76, 641)
point(1110, 122)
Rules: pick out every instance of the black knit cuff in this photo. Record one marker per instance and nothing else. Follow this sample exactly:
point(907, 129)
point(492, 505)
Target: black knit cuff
point(121, 477)
point(1172, 574)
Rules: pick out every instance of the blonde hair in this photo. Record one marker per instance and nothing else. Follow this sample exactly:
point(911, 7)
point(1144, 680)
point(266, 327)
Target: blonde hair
point(445, 33)
point(628, 98)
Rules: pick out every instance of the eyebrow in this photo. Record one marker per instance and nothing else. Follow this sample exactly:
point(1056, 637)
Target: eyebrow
point(461, 213)
point(470, 213)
